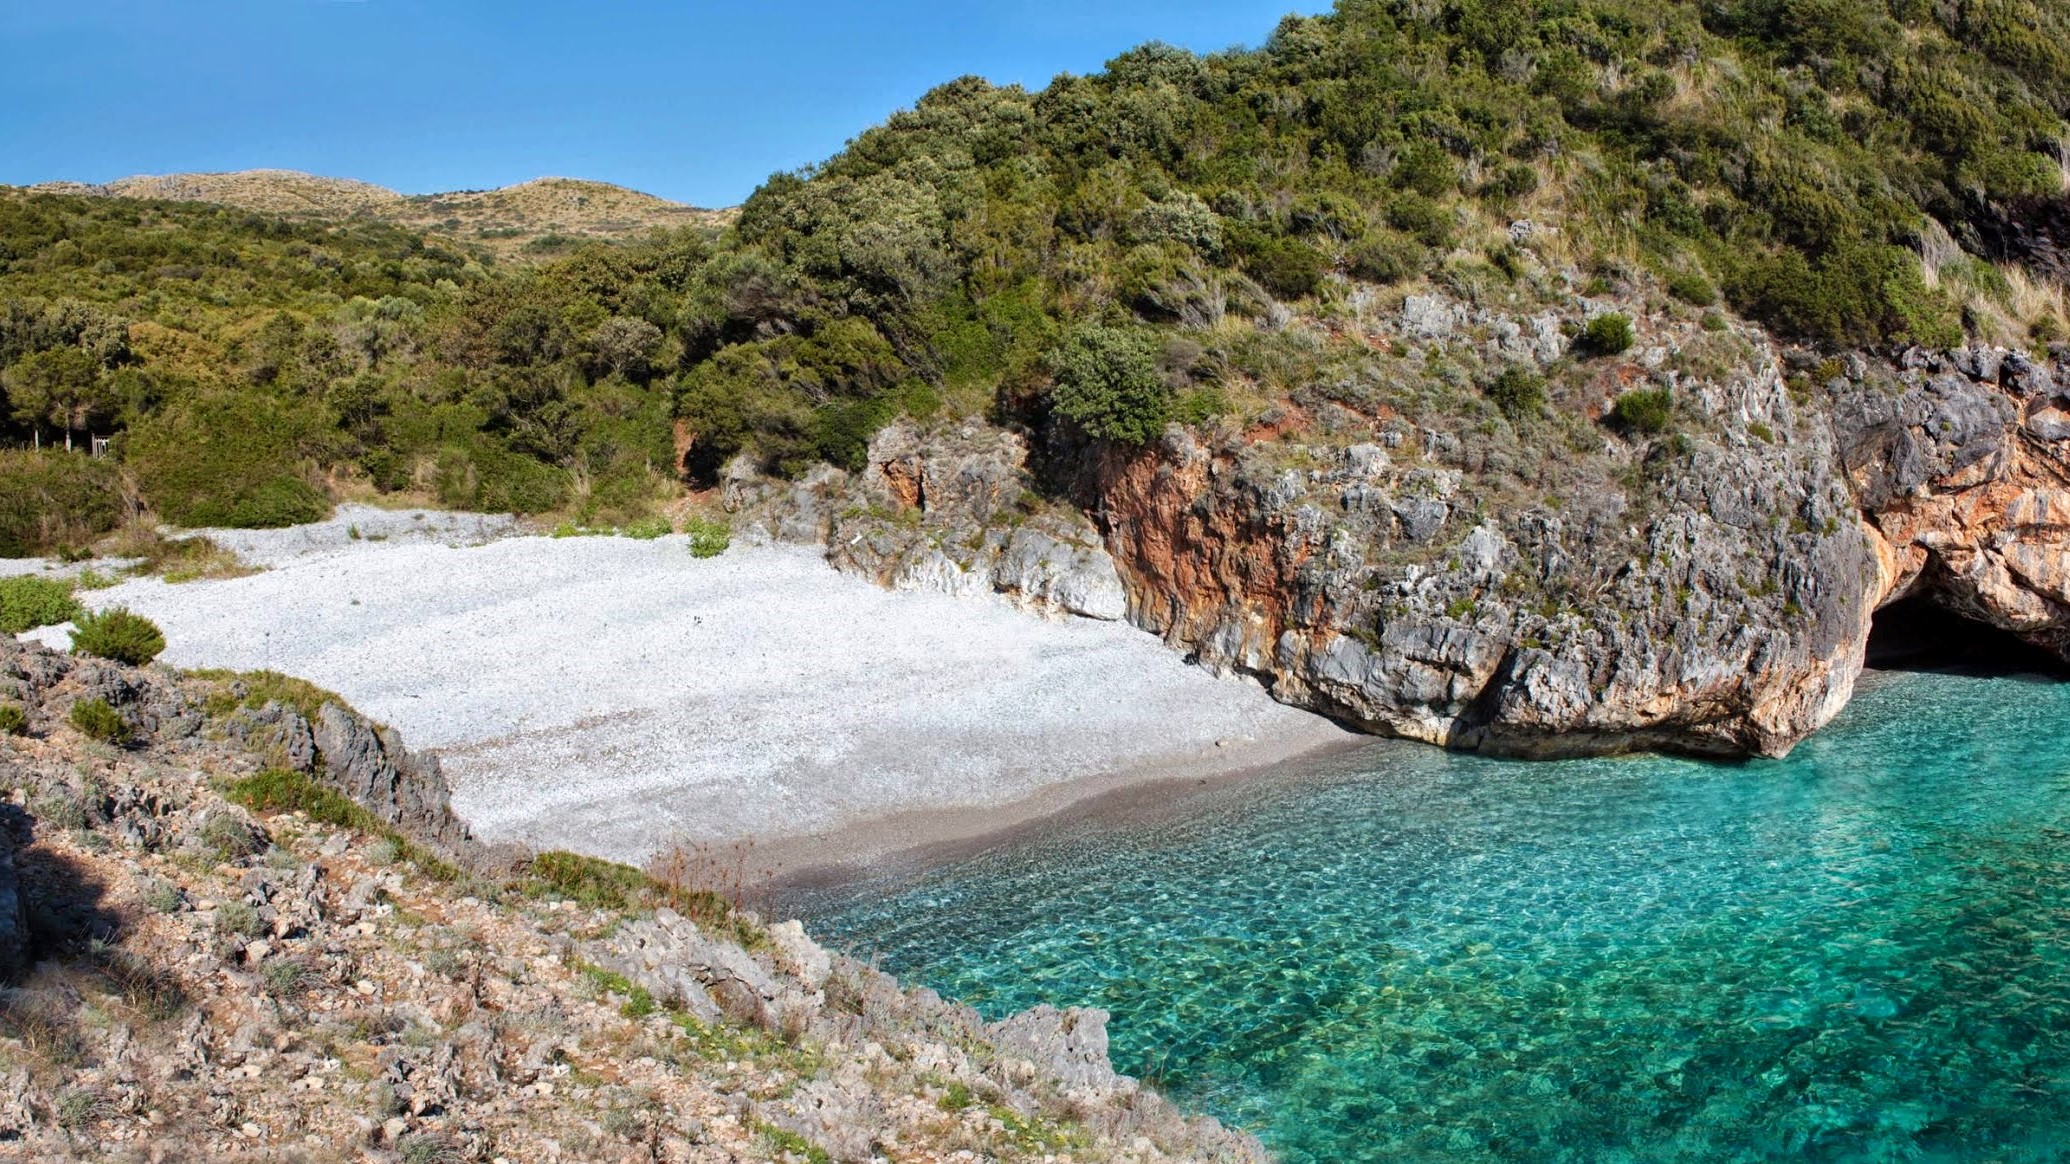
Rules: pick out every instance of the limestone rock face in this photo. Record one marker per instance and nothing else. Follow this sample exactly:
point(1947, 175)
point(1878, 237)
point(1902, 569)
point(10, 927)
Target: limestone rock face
point(947, 510)
point(1962, 464)
point(1711, 594)
point(1541, 585)
point(369, 763)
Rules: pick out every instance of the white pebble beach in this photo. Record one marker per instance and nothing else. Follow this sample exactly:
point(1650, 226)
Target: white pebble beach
point(618, 697)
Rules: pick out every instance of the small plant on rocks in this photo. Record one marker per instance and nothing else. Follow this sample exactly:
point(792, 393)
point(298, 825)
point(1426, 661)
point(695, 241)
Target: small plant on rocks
point(119, 635)
point(426, 1148)
point(231, 838)
point(79, 1106)
point(285, 978)
point(62, 808)
point(1646, 410)
point(95, 719)
point(13, 720)
point(163, 897)
point(238, 918)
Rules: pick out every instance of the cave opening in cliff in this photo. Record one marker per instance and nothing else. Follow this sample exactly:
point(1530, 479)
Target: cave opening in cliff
point(1919, 634)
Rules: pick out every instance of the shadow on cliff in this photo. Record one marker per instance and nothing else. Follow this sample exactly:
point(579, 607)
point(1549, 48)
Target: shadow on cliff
point(1918, 634)
point(58, 909)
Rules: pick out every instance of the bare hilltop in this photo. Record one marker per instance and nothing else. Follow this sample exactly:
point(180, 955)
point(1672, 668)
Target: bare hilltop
point(540, 218)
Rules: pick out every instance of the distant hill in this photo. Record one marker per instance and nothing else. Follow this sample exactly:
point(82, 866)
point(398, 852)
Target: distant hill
point(533, 219)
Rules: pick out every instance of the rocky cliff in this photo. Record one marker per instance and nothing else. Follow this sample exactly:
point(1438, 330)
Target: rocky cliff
point(209, 951)
point(1386, 549)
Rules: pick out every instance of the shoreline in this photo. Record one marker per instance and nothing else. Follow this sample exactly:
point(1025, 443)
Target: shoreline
point(910, 840)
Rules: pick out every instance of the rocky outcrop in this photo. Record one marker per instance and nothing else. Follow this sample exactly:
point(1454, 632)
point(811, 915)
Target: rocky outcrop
point(245, 979)
point(1038, 1059)
point(1708, 590)
point(1961, 462)
point(1384, 547)
point(948, 510)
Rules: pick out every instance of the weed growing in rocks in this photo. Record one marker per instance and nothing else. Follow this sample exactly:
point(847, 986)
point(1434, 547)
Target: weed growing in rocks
point(96, 720)
point(13, 720)
point(238, 918)
point(231, 838)
point(163, 897)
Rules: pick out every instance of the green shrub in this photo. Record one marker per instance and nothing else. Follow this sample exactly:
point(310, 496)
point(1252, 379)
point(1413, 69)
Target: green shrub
point(231, 837)
point(1200, 405)
point(1644, 410)
point(1387, 257)
point(1287, 267)
point(119, 635)
point(1429, 222)
point(1692, 288)
point(27, 602)
point(234, 462)
point(97, 720)
point(1519, 392)
point(1608, 334)
point(279, 790)
point(708, 538)
point(14, 721)
point(52, 499)
point(648, 529)
point(1108, 383)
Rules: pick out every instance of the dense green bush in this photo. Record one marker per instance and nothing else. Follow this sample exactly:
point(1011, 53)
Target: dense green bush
point(238, 462)
point(1644, 410)
point(27, 602)
point(1108, 382)
point(1692, 288)
point(1519, 392)
point(53, 499)
point(13, 720)
point(119, 635)
point(96, 719)
point(1608, 334)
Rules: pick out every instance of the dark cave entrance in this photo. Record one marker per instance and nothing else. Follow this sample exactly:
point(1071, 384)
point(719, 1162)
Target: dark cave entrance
point(1918, 634)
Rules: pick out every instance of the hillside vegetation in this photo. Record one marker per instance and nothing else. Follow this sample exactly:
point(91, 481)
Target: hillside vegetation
point(522, 223)
point(1165, 241)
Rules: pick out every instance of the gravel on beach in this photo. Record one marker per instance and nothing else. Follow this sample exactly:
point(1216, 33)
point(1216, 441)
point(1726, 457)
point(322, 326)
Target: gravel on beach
point(618, 696)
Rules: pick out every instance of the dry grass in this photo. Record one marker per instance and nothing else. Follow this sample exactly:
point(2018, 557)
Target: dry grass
point(183, 559)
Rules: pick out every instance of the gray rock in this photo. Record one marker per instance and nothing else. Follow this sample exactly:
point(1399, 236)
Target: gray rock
point(1068, 1045)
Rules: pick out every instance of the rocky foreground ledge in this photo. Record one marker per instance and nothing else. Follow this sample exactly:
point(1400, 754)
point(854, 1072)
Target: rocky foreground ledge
point(254, 931)
point(1556, 584)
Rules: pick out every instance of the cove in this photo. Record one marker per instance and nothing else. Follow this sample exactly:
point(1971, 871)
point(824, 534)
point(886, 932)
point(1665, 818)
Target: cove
point(1858, 953)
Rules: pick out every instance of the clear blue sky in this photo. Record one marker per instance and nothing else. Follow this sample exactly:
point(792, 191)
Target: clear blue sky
point(693, 100)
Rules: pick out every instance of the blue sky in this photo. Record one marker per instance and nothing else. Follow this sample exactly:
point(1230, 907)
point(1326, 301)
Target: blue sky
point(691, 100)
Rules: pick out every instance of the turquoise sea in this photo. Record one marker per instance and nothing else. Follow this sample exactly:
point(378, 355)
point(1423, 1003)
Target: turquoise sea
point(1858, 953)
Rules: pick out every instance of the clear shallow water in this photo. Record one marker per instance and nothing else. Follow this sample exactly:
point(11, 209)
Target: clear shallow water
point(1859, 953)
